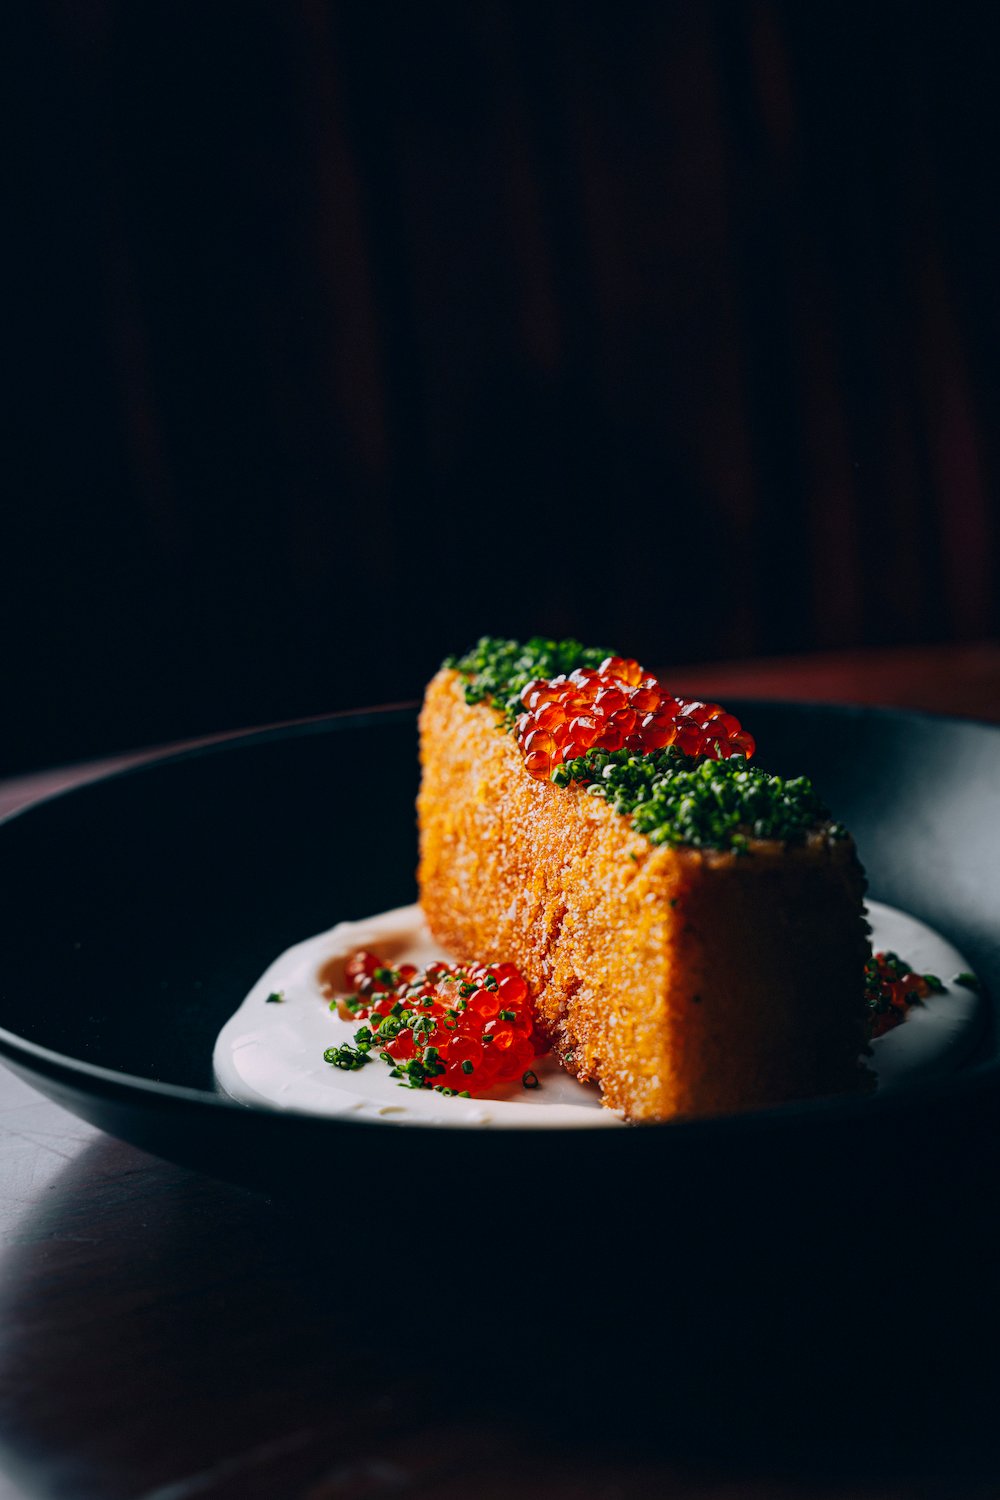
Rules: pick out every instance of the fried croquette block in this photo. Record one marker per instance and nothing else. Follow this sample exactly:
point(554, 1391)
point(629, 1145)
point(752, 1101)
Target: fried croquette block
point(685, 982)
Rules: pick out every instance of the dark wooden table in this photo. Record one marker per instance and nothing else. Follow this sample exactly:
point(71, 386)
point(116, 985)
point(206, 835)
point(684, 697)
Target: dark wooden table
point(168, 1337)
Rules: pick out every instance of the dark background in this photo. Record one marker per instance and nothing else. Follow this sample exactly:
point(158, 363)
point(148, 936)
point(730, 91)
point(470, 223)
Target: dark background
point(342, 334)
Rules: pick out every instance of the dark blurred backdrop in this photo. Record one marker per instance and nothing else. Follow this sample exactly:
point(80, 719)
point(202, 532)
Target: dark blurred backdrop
point(344, 333)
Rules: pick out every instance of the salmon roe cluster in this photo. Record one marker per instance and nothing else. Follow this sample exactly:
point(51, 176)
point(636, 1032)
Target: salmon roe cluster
point(891, 988)
point(617, 706)
point(454, 1028)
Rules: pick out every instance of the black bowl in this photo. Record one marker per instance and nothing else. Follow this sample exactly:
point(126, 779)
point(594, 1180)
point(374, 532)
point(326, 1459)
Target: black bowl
point(141, 908)
point(734, 1274)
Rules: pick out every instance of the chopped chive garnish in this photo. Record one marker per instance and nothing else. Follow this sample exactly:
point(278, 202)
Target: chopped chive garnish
point(347, 1057)
point(496, 671)
point(412, 1024)
point(670, 797)
point(891, 988)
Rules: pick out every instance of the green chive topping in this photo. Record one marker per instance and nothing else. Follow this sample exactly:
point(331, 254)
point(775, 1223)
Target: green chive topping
point(497, 671)
point(669, 797)
point(347, 1057)
point(706, 804)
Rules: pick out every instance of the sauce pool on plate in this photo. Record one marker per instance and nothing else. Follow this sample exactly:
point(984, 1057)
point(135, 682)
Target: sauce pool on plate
point(270, 1053)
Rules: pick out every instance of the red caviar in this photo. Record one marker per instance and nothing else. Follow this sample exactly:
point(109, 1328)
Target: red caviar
point(452, 1027)
point(891, 987)
point(618, 706)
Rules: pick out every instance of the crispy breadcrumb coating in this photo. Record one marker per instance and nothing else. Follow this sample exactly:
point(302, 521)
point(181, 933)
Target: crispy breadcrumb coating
point(685, 982)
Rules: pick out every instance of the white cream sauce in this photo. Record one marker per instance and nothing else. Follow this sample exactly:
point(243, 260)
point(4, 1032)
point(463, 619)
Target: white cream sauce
point(271, 1054)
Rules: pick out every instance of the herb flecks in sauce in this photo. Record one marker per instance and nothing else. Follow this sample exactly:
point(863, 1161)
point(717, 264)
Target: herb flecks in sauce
point(458, 1030)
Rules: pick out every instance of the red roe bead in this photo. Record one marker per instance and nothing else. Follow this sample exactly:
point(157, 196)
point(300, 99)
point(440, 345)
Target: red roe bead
point(689, 736)
point(501, 1034)
point(897, 995)
point(622, 667)
point(485, 1003)
point(644, 700)
point(488, 1070)
point(539, 739)
point(625, 720)
point(538, 764)
point(521, 1055)
point(464, 1049)
point(360, 966)
point(401, 1047)
point(511, 991)
point(546, 715)
point(537, 693)
point(609, 700)
point(727, 723)
point(656, 736)
point(585, 731)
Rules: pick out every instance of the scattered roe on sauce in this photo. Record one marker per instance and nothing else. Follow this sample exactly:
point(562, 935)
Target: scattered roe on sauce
point(891, 988)
point(452, 1028)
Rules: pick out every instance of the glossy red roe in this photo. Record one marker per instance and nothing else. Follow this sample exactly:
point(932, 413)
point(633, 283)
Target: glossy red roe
point(892, 989)
point(468, 1029)
point(619, 706)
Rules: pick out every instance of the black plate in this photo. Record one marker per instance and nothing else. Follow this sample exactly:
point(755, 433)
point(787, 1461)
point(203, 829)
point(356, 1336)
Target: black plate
point(142, 907)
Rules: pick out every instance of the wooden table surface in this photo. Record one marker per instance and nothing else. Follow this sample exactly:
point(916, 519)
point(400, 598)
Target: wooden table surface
point(168, 1337)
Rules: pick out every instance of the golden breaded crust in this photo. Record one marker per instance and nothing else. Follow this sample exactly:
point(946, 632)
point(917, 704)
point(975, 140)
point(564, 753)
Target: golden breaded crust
point(685, 982)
